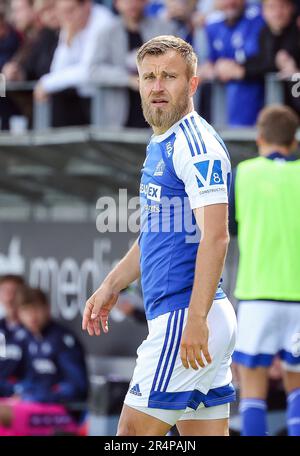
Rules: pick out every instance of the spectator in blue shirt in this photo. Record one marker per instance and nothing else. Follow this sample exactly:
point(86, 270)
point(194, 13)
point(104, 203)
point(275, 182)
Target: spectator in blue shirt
point(279, 49)
point(235, 38)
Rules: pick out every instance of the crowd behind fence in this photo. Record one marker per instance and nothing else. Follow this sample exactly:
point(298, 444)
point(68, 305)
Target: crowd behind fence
point(61, 67)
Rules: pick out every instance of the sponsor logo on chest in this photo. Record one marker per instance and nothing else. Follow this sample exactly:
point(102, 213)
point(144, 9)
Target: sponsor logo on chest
point(151, 191)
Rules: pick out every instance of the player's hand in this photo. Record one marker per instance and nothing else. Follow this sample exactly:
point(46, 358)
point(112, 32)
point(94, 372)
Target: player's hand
point(97, 309)
point(194, 344)
point(228, 69)
point(286, 64)
point(206, 72)
point(12, 71)
point(40, 94)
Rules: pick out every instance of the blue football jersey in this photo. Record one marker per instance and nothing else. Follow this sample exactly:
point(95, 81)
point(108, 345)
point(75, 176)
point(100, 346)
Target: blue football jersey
point(187, 167)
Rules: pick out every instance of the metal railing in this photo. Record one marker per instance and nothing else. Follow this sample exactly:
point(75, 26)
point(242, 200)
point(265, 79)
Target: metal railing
point(42, 110)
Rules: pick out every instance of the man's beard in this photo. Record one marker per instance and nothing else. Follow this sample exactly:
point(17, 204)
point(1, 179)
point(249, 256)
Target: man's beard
point(233, 14)
point(164, 119)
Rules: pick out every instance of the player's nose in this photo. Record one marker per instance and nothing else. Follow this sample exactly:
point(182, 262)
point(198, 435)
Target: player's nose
point(157, 86)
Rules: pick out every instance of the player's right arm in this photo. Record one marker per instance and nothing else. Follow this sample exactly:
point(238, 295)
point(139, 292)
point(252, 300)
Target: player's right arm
point(99, 305)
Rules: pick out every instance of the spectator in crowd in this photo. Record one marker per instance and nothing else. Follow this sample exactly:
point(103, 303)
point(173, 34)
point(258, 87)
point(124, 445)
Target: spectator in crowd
point(54, 364)
point(234, 39)
point(181, 12)
point(264, 200)
point(9, 44)
point(49, 344)
point(278, 51)
point(190, 17)
point(23, 19)
point(11, 334)
point(116, 65)
point(9, 39)
point(39, 56)
point(80, 23)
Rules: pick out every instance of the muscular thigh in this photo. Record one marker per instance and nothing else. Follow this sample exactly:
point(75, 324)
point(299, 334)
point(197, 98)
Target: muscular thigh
point(209, 421)
point(204, 427)
point(134, 422)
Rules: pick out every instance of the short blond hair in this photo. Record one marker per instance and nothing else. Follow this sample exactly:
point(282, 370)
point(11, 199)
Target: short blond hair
point(160, 45)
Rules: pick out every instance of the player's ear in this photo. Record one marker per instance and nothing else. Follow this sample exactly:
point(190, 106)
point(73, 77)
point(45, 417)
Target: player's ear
point(259, 140)
point(194, 81)
point(294, 144)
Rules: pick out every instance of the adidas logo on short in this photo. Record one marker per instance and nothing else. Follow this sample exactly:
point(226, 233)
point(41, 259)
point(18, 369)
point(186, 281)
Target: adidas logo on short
point(135, 390)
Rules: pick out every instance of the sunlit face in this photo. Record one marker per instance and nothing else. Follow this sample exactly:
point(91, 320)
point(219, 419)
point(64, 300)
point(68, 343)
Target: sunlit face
point(180, 9)
point(72, 12)
point(8, 294)
point(22, 14)
point(48, 15)
point(34, 317)
point(131, 9)
point(165, 88)
point(232, 9)
point(278, 13)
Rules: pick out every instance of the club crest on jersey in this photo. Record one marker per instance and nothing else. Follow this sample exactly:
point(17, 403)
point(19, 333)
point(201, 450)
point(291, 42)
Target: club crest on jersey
point(170, 148)
point(160, 168)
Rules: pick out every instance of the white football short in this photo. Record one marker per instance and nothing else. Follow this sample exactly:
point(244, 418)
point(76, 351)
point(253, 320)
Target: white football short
point(266, 329)
point(161, 384)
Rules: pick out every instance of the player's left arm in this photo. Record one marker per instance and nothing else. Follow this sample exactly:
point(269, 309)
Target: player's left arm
point(206, 177)
point(213, 223)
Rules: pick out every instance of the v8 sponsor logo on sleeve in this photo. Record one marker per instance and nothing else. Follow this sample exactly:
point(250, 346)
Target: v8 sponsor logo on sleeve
point(209, 172)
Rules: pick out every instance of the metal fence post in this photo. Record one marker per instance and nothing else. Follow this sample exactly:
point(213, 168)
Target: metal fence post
point(41, 115)
point(273, 89)
point(218, 105)
point(97, 117)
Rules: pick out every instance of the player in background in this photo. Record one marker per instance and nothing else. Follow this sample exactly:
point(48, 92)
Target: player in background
point(265, 202)
point(11, 333)
point(183, 367)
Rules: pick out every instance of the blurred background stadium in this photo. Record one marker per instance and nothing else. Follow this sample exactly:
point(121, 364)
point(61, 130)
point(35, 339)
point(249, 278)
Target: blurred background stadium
point(72, 131)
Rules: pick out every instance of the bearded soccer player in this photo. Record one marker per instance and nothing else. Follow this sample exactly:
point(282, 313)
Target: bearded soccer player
point(183, 371)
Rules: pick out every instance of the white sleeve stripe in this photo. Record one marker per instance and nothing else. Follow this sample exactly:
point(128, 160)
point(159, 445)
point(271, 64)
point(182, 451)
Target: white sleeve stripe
point(193, 136)
point(190, 130)
point(199, 134)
